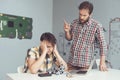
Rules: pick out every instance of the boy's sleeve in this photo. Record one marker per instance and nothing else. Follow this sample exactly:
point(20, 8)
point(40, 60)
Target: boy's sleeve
point(31, 53)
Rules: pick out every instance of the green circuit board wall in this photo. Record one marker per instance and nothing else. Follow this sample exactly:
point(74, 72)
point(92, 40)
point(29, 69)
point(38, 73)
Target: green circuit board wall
point(15, 26)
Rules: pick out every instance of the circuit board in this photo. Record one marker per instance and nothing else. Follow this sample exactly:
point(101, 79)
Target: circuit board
point(15, 26)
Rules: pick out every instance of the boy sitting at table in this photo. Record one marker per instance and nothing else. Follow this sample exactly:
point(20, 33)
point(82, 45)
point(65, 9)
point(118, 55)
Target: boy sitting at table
point(42, 58)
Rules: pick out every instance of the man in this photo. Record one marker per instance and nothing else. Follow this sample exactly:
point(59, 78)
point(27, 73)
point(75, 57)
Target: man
point(41, 58)
point(83, 32)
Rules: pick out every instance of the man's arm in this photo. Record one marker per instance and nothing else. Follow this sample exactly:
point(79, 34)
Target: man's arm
point(67, 29)
point(102, 65)
point(68, 36)
point(103, 48)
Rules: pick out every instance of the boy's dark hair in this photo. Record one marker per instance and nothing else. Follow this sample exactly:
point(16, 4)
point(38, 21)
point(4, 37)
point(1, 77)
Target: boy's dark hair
point(48, 37)
point(86, 5)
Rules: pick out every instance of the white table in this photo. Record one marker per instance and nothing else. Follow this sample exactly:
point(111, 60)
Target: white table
point(111, 74)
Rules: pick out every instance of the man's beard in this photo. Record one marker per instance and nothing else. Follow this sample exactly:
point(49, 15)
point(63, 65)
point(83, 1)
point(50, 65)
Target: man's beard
point(83, 21)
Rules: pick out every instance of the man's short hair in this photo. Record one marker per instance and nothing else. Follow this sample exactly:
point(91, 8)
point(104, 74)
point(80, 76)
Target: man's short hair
point(86, 5)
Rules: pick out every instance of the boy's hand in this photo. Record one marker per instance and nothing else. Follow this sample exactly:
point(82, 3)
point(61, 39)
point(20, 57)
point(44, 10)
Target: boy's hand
point(43, 46)
point(55, 48)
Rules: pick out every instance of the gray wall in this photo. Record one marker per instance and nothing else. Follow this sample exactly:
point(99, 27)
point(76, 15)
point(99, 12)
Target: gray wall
point(13, 51)
point(104, 11)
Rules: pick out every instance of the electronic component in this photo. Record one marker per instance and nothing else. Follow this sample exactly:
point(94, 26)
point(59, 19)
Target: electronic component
point(44, 74)
point(15, 26)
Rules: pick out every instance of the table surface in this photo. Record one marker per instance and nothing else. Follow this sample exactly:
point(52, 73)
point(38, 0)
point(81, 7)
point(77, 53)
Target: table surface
point(111, 74)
